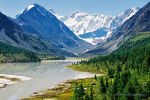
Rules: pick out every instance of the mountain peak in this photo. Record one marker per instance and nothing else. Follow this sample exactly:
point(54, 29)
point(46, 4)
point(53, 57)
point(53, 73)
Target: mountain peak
point(38, 20)
point(78, 13)
point(125, 15)
point(33, 6)
point(36, 9)
point(129, 11)
point(135, 8)
point(30, 7)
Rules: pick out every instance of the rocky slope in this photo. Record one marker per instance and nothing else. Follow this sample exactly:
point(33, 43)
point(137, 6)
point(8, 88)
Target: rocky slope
point(11, 33)
point(134, 29)
point(40, 22)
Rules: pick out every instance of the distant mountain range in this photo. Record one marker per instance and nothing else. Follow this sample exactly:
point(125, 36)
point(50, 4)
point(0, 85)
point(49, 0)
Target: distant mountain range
point(94, 28)
point(40, 22)
point(135, 31)
point(41, 30)
point(11, 33)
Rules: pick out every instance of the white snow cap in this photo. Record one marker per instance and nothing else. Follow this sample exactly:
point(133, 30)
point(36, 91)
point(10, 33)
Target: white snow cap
point(30, 7)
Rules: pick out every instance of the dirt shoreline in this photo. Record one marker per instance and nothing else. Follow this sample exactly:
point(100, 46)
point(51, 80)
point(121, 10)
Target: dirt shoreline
point(6, 79)
point(54, 92)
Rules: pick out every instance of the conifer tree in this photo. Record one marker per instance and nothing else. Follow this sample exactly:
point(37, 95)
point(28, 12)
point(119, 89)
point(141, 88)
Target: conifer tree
point(95, 77)
point(91, 93)
point(106, 83)
point(76, 93)
point(102, 86)
point(81, 92)
point(86, 97)
point(129, 91)
point(111, 72)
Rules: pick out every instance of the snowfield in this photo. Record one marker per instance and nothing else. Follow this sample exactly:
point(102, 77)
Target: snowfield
point(100, 26)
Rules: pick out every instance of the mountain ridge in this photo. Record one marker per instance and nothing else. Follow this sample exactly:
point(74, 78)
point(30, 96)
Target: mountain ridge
point(39, 21)
point(135, 26)
point(11, 33)
point(83, 24)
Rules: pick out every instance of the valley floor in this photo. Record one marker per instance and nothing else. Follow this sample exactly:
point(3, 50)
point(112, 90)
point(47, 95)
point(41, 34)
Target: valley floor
point(65, 90)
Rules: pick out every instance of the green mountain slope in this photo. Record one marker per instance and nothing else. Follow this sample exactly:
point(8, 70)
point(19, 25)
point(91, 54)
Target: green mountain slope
point(133, 27)
point(127, 69)
point(9, 54)
point(136, 41)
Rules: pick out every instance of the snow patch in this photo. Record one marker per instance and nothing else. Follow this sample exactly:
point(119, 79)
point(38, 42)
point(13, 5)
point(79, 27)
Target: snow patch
point(30, 7)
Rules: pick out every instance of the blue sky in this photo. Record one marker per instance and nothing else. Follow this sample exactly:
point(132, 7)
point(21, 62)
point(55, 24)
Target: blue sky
point(65, 7)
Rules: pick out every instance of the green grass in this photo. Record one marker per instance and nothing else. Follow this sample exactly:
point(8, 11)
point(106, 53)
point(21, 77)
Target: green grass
point(140, 36)
point(86, 68)
point(58, 93)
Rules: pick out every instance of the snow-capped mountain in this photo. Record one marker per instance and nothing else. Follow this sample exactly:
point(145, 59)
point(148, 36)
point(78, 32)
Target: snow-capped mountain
point(11, 33)
point(122, 17)
point(94, 28)
point(82, 22)
point(133, 27)
point(44, 24)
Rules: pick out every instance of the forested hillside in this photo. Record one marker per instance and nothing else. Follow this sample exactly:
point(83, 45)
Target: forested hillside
point(127, 71)
point(10, 54)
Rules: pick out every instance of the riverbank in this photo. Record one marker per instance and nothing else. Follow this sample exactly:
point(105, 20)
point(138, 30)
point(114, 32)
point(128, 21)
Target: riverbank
point(65, 90)
point(6, 80)
point(44, 74)
point(73, 60)
point(82, 68)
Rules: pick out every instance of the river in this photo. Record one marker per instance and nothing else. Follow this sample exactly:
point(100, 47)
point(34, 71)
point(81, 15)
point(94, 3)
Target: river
point(44, 75)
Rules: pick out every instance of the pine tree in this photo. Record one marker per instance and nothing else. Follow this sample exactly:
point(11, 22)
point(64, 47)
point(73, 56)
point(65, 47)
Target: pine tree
point(119, 69)
point(111, 92)
point(86, 97)
point(76, 93)
point(81, 92)
point(91, 93)
point(106, 83)
point(111, 72)
point(102, 86)
point(129, 91)
point(95, 77)
point(148, 89)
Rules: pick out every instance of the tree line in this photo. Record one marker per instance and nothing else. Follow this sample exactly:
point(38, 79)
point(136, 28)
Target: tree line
point(127, 72)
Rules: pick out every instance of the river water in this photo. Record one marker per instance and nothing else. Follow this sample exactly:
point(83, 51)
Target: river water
point(44, 74)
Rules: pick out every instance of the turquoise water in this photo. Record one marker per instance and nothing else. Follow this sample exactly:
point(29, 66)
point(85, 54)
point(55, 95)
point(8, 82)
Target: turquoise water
point(45, 75)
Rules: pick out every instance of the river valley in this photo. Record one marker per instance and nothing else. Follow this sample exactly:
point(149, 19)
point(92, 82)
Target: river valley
point(44, 75)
